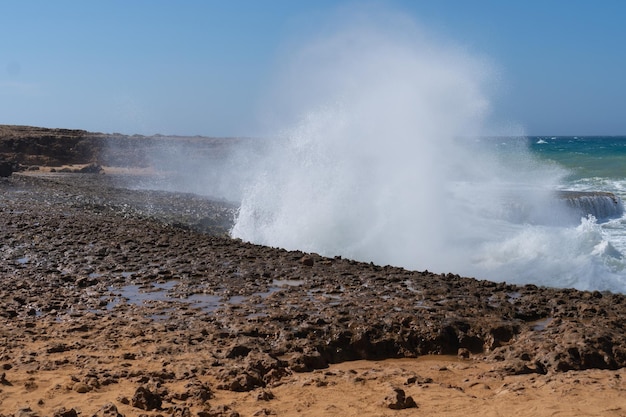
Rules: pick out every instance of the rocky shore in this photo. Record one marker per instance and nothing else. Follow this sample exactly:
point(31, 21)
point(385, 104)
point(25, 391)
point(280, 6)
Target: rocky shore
point(125, 302)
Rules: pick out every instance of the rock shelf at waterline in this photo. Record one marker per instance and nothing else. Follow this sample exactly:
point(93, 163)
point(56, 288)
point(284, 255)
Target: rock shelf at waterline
point(601, 205)
point(61, 238)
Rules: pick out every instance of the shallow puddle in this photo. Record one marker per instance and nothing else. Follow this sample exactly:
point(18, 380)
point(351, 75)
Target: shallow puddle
point(143, 295)
point(140, 294)
point(277, 283)
point(539, 325)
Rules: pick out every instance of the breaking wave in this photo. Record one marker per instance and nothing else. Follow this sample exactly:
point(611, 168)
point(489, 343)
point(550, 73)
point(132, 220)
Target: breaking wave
point(376, 161)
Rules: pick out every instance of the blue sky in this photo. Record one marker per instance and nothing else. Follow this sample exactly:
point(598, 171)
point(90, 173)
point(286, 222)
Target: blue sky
point(204, 67)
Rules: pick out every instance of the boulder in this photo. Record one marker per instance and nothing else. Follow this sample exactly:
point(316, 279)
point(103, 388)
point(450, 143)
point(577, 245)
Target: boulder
point(91, 169)
point(397, 400)
point(146, 399)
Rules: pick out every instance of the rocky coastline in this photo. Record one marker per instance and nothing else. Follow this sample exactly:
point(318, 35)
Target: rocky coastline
point(117, 301)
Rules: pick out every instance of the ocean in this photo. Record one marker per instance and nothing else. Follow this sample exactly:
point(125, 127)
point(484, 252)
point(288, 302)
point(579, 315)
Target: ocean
point(594, 164)
point(567, 229)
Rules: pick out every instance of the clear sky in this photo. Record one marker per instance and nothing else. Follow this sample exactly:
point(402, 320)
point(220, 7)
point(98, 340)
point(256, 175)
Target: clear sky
point(203, 67)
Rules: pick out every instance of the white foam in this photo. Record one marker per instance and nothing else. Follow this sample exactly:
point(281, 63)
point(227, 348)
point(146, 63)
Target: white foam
point(579, 257)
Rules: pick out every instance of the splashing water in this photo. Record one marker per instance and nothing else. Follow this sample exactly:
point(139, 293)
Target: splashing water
point(379, 165)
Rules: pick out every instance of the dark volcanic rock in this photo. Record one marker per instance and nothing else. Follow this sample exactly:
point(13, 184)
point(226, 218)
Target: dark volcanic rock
point(196, 392)
point(397, 400)
point(239, 380)
point(146, 399)
point(307, 361)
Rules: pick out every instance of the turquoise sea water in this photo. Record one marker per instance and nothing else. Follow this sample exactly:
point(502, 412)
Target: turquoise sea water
point(592, 161)
point(596, 163)
point(593, 164)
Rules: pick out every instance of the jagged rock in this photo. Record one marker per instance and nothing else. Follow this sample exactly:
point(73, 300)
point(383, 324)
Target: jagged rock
point(239, 381)
point(3, 379)
point(501, 335)
point(307, 361)
point(268, 368)
point(81, 388)
point(146, 399)
point(196, 391)
point(397, 400)
point(238, 351)
point(275, 375)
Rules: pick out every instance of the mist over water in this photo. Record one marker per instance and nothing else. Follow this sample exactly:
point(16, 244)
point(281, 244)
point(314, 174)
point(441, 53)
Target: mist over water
point(377, 159)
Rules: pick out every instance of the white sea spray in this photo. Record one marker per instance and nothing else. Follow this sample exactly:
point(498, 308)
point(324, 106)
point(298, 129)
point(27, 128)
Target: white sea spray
point(377, 163)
